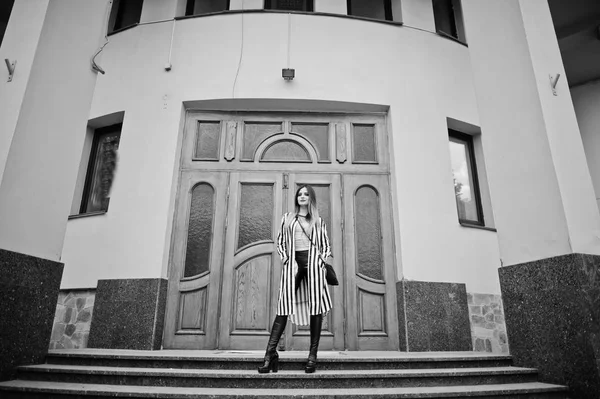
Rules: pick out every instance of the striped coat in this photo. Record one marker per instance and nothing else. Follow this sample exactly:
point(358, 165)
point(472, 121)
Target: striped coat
point(312, 297)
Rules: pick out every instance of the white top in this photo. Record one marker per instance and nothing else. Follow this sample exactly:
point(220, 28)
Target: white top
point(301, 241)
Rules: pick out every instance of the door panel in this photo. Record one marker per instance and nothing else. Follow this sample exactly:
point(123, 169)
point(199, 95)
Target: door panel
point(370, 269)
point(196, 258)
point(239, 173)
point(328, 191)
point(251, 266)
point(248, 278)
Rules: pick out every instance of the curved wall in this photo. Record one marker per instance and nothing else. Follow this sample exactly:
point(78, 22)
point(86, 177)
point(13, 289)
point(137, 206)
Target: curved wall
point(586, 100)
point(420, 77)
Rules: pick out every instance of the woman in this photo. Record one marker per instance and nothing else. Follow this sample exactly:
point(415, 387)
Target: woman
point(303, 246)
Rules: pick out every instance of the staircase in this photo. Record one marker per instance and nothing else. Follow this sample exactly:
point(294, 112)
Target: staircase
point(232, 374)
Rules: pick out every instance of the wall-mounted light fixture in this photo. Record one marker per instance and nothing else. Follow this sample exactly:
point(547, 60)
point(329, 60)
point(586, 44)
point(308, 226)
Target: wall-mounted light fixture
point(288, 74)
point(11, 68)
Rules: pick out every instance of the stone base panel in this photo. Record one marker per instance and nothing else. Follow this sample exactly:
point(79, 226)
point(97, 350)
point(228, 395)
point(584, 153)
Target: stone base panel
point(74, 311)
point(29, 287)
point(433, 316)
point(552, 309)
point(488, 329)
point(128, 314)
point(72, 319)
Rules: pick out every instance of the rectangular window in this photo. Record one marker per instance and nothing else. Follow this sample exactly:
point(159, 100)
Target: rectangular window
point(289, 5)
point(376, 9)
point(101, 169)
point(448, 18)
point(199, 7)
point(466, 184)
point(5, 10)
point(124, 13)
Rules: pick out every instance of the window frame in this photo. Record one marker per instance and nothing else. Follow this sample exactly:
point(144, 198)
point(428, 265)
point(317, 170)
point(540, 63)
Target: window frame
point(456, 20)
point(467, 139)
point(189, 8)
point(310, 6)
point(116, 16)
point(387, 7)
point(91, 168)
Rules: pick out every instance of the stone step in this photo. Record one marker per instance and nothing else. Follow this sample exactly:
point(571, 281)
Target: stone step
point(289, 379)
point(290, 360)
point(50, 390)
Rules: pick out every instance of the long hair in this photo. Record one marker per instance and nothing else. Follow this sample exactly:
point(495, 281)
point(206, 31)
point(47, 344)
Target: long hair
point(313, 212)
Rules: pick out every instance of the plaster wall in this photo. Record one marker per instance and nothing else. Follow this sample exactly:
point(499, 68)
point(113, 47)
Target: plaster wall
point(528, 207)
point(41, 166)
point(572, 173)
point(586, 100)
point(20, 44)
point(425, 80)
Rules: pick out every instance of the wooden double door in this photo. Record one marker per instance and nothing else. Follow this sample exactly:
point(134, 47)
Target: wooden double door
point(225, 270)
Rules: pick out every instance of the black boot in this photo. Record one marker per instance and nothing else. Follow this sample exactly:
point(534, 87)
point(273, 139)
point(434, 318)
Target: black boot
point(271, 357)
point(316, 321)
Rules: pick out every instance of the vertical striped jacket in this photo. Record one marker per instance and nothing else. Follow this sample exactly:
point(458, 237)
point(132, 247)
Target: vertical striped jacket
point(312, 297)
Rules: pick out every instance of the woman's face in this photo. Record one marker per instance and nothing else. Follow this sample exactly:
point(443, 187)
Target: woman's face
point(303, 197)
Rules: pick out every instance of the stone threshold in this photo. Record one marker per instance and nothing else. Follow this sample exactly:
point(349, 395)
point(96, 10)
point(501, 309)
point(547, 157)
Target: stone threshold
point(259, 354)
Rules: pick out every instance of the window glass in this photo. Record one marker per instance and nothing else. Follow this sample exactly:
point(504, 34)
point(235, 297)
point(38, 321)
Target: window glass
point(124, 13)
point(317, 134)
point(101, 169)
point(368, 233)
point(199, 7)
point(445, 20)
point(200, 231)
point(289, 5)
point(364, 147)
point(376, 9)
point(208, 141)
point(254, 134)
point(5, 10)
point(256, 213)
point(449, 19)
point(466, 189)
point(286, 151)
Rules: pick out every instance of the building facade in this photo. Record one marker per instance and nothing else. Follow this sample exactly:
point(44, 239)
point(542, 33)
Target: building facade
point(151, 147)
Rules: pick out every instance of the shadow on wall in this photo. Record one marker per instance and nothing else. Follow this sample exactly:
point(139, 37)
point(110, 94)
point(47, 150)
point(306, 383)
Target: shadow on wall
point(72, 319)
point(488, 329)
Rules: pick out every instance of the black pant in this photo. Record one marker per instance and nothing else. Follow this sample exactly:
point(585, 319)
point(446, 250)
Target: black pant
point(302, 261)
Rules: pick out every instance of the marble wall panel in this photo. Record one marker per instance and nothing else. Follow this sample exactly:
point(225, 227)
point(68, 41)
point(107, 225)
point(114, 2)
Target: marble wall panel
point(72, 319)
point(488, 329)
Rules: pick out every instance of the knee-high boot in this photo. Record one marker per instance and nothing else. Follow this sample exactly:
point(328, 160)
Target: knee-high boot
point(271, 361)
point(316, 321)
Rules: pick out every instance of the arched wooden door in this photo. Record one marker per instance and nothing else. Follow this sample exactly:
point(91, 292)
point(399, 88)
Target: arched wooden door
point(252, 269)
point(238, 175)
point(251, 265)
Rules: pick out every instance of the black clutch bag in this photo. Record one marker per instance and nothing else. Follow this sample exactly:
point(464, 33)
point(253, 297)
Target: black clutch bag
point(330, 275)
